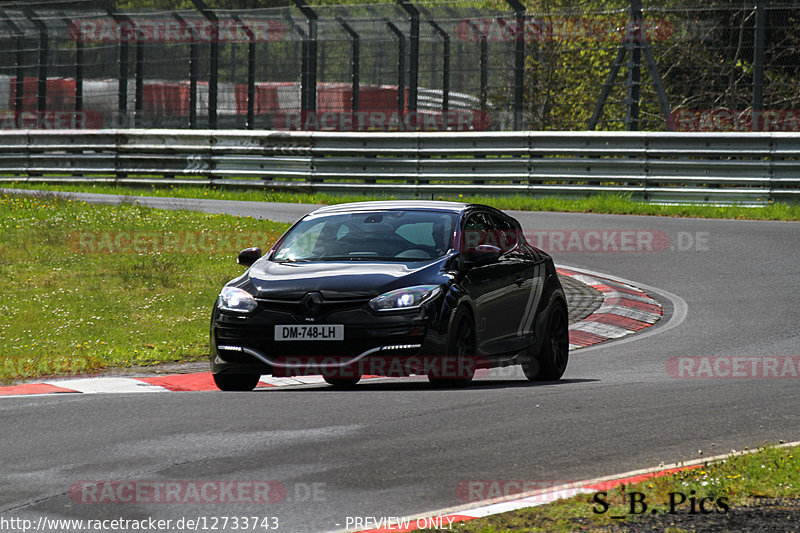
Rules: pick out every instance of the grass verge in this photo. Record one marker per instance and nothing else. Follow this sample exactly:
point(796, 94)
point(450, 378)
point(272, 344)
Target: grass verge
point(88, 287)
point(757, 491)
point(605, 204)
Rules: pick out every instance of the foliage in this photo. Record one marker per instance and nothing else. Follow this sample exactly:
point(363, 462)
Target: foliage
point(72, 308)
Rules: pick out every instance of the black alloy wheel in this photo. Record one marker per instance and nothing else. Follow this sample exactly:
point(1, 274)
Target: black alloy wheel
point(551, 361)
point(461, 346)
point(236, 382)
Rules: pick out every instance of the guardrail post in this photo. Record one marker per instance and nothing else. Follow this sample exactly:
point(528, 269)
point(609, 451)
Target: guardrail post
point(519, 62)
point(355, 62)
point(413, 67)
point(401, 67)
point(213, 62)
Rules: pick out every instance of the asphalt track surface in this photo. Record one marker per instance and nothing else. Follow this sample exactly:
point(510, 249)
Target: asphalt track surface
point(400, 448)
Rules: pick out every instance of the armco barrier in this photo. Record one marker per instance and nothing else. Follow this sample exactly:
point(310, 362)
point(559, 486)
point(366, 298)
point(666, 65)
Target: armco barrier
point(664, 167)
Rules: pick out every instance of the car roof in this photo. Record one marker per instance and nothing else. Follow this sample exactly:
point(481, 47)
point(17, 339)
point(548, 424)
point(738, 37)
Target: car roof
point(399, 205)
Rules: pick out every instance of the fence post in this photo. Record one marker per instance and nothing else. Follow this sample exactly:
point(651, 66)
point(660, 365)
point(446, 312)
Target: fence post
point(251, 71)
point(41, 83)
point(309, 84)
point(194, 59)
point(401, 67)
point(445, 65)
point(758, 64)
point(19, 68)
point(484, 64)
point(634, 33)
point(139, 87)
point(413, 67)
point(519, 62)
point(213, 62)
point(122, 93)
point(355, 63)
point(79, 75)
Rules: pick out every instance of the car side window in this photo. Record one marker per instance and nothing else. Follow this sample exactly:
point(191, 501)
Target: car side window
point(504, 232)
point(487, 228)
point(475, 231)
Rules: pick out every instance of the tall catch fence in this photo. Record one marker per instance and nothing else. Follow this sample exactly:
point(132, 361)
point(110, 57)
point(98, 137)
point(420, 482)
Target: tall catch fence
point(409, 65)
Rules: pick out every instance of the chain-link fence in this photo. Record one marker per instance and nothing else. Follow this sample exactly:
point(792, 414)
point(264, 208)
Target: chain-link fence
point(404, 65)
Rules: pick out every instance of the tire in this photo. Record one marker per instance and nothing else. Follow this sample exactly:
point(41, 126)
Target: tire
point(551, 361)
point(462, 345)
point(339, 381)
point(236, 382)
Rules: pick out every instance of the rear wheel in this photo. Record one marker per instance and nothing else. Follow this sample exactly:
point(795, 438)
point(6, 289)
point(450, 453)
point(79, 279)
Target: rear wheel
point(458, 369)
point(236, 382)
point(551, 361)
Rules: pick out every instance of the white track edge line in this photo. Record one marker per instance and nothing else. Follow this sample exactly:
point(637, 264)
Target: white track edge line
point(466, 508)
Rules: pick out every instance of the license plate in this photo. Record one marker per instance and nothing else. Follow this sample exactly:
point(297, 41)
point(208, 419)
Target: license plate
point(310, 332)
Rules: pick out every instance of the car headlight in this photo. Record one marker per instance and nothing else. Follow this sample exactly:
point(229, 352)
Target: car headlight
point(408, 298)
point(236, 300)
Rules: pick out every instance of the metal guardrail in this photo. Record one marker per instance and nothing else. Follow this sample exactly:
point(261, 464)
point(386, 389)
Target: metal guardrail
point(750, 168)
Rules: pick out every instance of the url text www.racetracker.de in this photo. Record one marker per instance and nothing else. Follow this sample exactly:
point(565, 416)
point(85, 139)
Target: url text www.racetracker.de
point(197, 523)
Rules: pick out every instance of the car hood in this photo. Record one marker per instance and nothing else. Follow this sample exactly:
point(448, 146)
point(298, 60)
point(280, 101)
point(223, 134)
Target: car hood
point(340, 279)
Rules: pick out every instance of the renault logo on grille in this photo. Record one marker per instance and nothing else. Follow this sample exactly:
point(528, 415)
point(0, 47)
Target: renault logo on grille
point(312, 303)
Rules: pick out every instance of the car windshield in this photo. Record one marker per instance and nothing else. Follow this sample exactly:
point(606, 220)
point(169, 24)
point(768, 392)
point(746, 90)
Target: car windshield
point(369, 236)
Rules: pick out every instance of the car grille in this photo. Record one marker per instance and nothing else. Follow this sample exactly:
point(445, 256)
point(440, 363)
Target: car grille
point(301, 309)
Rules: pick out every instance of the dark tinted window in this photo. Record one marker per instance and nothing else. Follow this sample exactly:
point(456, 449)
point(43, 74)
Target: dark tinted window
point(488, 228)
point(379, 236)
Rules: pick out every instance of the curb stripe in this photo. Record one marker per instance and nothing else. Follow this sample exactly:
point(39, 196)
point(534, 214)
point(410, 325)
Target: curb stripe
point(598, 328)
point(625, 309)
point(95, 385)
point(618, 320)
point(32, 388)
point(584, 338)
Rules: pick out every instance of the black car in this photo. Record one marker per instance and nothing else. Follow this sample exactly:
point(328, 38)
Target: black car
point(392, 288)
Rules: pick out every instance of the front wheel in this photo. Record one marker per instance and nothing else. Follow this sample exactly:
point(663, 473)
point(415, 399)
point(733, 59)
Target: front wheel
point(236, 382)
point(551, 361)
point(341, 381)
point(458, 367)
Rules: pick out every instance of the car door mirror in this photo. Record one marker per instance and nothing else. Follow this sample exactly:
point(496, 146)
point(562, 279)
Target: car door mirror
point(248, 256)
point(482, 254)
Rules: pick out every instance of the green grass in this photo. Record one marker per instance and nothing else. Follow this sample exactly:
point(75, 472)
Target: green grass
point(79, 294)
point(772, 472)
point(606, 204)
